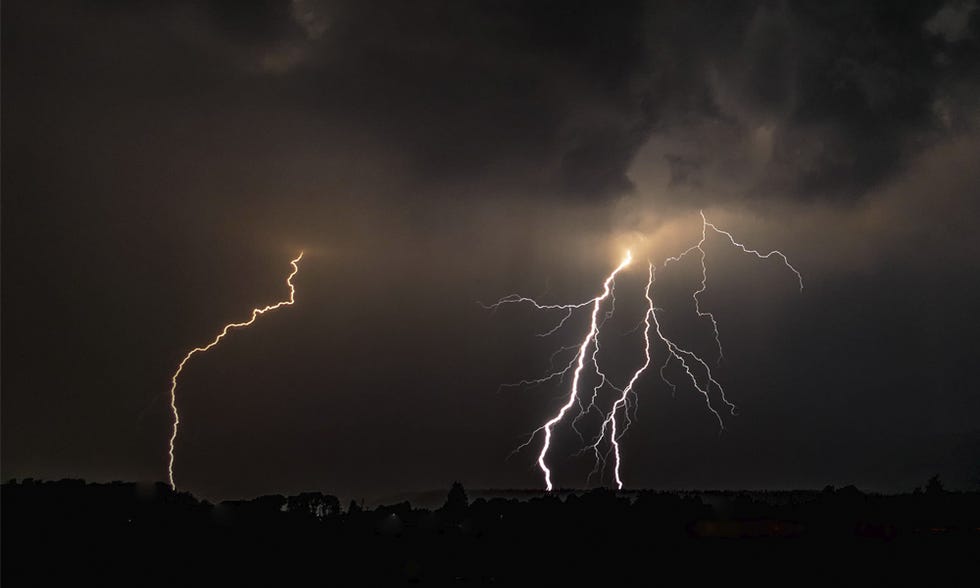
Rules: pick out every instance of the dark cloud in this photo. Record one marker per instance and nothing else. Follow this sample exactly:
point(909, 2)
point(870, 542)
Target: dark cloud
point(541, 92)
point(560, 97)
point(845, 92)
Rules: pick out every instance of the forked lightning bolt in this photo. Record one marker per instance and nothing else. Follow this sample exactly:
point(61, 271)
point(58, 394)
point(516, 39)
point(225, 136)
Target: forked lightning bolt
point(224, 331)
point(610, 421)
point(579, 361)
point(616, 420)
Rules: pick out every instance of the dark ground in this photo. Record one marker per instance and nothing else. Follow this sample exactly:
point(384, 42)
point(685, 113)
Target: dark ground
point(73, 533)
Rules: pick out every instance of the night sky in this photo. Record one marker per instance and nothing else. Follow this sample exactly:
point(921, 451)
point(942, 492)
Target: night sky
point(163, 161)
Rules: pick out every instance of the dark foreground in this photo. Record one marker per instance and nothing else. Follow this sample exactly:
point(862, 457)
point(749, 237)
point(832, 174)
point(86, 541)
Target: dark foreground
point(71, 533)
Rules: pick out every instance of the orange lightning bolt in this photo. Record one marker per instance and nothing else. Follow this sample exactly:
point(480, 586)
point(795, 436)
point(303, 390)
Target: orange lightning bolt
point(173, 379)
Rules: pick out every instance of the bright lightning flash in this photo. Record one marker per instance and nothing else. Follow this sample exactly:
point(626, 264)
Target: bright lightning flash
point(224, 331)
point(697, 370)
point(579, 362)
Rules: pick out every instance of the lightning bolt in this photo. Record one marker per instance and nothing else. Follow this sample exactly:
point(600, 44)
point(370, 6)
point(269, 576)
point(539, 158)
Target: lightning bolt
point(610, 421)
point(256, 312)
point(699, 247)
point(745, 249)
point(674, 351)
point(616, 421)
point(578, 362)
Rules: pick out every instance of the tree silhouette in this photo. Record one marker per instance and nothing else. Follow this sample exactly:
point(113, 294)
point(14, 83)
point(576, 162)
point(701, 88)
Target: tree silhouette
point(454, 510)
point(456, 500)
point(314, 504)
point(67, 532)
point(934, 485)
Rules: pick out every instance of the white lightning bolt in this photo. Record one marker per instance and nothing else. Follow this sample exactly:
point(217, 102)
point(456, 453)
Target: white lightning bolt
point(583, 348)
point(745, 249)
point(621, 402)
point(699, 247)
point(224, 331)
point(578, 362)
point(603, 379)
point(674, 351)
point(697, 369)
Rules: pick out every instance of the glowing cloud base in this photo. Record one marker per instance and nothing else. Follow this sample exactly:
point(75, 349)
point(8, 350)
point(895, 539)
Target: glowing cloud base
point(616, 421)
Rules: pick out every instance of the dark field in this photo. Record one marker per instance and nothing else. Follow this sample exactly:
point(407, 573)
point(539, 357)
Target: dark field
point(73, 533)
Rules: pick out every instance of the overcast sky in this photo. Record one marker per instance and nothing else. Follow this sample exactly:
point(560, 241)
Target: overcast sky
point(163, 161)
